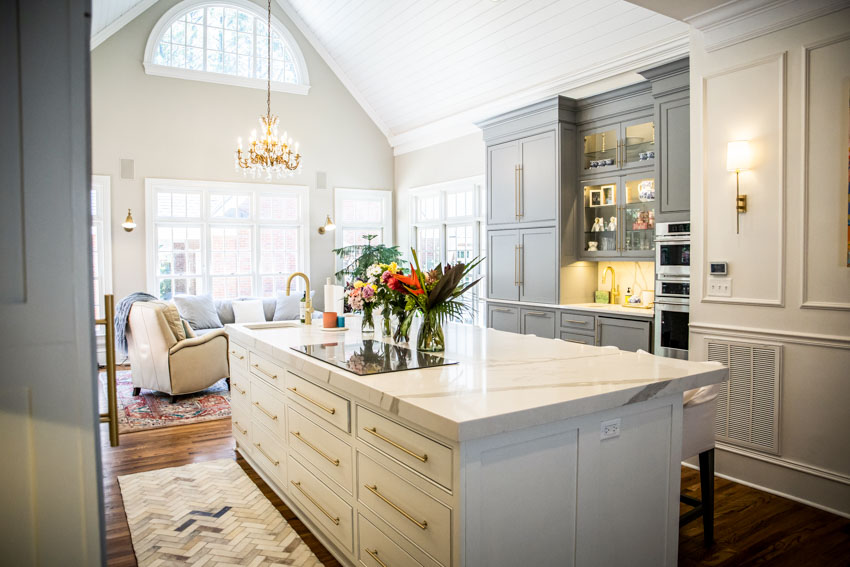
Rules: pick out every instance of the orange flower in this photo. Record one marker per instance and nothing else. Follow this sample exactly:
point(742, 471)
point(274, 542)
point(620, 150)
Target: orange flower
point(411, 283)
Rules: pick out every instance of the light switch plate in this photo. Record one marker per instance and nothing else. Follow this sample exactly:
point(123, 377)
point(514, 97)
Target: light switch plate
point(720, 287)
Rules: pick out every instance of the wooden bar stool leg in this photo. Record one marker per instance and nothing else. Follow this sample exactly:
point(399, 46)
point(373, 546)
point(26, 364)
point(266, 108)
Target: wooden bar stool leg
point(706, 481)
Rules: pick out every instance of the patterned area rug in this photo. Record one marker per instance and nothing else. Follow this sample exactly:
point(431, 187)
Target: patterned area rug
point(152, 410)
point(207, 514)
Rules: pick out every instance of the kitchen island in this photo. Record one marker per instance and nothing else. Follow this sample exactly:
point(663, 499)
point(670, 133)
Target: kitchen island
point(527, 451)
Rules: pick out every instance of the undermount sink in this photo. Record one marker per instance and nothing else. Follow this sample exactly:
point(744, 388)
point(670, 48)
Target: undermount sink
point(271, 325)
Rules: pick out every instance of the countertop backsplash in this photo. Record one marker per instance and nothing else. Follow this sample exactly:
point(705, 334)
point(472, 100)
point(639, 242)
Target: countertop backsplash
point(627, 275)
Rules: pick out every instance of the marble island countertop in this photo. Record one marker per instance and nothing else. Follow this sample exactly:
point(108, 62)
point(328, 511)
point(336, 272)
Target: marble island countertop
point(503, 381)
point(600, 308)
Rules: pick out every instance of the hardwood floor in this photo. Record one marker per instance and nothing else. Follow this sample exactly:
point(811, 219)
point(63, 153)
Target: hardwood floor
point(751, 527)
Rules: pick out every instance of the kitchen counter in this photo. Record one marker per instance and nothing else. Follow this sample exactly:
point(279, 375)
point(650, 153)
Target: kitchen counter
point(600, 308)
point(503, 381)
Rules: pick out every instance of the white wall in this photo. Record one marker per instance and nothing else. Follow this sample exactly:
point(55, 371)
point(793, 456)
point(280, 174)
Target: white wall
point(787, 92)
point(180, 129)
point(456, 159)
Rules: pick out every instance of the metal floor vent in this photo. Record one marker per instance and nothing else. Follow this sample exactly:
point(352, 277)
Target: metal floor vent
point(748, 404)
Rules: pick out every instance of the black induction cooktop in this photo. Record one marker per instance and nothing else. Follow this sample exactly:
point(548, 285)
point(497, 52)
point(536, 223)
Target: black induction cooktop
point(372, 357)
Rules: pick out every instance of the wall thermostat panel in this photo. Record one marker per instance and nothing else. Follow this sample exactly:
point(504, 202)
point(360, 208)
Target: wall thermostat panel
point(718, 268)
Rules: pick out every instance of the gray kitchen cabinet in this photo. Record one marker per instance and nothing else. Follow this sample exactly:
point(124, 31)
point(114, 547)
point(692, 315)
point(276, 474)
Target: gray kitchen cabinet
point(670, 85)
point(538, 178)
point(503, 264)
point(503, 317)
point(538, 322)
point(625, 334)
point(577, 338)
point(503, 183)
point(538, 269)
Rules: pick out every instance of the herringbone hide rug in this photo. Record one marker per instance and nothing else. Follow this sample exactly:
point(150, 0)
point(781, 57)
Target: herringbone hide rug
point(207, 514)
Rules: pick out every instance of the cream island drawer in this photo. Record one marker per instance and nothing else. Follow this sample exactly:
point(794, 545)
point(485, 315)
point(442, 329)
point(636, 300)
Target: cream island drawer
point(422, 519)
point(268, 406)
point(238, 357)
point(266, 369)
point(332, 513)
point(375, 549)
point(323, 403)
point(240, 388)
point(268, 452)
point(423, 455)
point(240, 419)
point(319, 448)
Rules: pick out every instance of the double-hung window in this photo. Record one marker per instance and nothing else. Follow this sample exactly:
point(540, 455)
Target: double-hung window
point(101, 240)
point(225, 239)
point(448, 226)
point(359, 213)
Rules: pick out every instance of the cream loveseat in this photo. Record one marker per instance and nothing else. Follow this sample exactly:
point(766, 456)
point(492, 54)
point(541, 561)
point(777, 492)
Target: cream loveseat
point(166, 356)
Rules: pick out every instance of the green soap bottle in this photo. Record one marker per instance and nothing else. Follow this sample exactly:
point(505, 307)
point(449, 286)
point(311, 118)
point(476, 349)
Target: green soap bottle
point(302, 309)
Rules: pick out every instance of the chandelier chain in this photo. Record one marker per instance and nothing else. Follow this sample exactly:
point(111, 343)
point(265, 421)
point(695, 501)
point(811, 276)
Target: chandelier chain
point(269, 75)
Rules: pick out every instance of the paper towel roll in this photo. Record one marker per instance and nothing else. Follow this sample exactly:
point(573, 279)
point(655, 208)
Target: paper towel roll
point(333, 297)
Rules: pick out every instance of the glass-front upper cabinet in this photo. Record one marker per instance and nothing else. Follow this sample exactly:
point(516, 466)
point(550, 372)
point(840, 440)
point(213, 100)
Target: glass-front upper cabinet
point(618, 217)
point(618, 146)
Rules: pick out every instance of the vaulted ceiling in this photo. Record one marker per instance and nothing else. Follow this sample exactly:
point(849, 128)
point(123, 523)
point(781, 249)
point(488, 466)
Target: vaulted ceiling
point(425, 70)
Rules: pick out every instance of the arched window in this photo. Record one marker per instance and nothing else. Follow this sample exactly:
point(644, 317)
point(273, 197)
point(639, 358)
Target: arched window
point(225, 42)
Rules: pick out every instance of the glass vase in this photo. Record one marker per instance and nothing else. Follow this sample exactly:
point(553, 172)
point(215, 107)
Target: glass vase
point(402, 330)
point(387, 324)
point(367, 326)
point(431, 337)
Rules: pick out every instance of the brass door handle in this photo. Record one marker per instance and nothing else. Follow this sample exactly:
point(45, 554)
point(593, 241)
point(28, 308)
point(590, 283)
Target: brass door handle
point(267, 373)
point(241, 430)
point(265, 411)
point(516, 191)
point(266, 455)
point(297, 434)
point(238, 389)
point(373, 553)
point(516, 264)
point(521, 265)
point(374, 431)
point(334, 519)
point(374, 490)
point(312, 401)
point(237, 355)
point(520, 212)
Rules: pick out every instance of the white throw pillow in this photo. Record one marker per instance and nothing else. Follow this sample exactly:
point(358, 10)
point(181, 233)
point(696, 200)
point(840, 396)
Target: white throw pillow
point(288, 307)
point(249, 311)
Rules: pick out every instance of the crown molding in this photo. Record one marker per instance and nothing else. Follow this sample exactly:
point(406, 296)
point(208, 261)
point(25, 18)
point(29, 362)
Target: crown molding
point(116, 25)
point(742, 20)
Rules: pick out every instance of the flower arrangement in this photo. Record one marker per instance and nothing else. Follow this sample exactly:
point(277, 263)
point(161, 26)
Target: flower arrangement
point(362, 296)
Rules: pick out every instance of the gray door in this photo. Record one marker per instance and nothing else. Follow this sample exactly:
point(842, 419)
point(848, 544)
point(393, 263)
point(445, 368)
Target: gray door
point(503, 264)
point(503, 317)
point(624, 334)
point(538, 186)
point(503, 183)
point(538, 269)
point(51, 489)
point(538, 322)
point(675, 157)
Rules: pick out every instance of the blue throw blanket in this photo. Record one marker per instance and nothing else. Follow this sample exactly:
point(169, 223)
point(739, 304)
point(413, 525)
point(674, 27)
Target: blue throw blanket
point(122, 312)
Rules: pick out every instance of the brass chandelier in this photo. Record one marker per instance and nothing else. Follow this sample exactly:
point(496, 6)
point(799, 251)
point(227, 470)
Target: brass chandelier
point(270, 155)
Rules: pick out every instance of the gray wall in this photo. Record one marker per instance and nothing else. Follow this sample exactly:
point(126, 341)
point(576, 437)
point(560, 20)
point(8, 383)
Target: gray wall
point(181, 129)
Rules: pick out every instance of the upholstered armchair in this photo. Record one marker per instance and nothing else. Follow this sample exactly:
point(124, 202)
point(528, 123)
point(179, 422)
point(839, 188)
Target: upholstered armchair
point(166, 356)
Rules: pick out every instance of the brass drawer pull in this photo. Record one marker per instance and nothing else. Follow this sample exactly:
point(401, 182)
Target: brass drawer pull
point(265, 411)
point(500, 309)
point(266, 455)
point(574, 322)
point(239, 429)
point(312, 401)
point(297, 434)
point(373, 553)
point(374, 490)
point(316, 504)
point(237, 355)
point(574, 341)
point(537, 313)
point(238, 389)
point(374, 431)
point(269, 374)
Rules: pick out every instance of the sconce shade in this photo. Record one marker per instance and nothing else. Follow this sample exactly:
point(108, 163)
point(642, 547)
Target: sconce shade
point(129, 224)
point(328, 226)
point(738, 155)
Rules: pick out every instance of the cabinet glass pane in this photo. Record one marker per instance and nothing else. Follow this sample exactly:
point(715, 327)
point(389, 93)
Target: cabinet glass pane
point(600, 217)
point(639, 214)
point(600, 149)
point(640, 143)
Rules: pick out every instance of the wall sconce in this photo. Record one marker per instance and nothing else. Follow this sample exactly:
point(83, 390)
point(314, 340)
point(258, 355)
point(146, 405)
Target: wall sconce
point(738, 158)
point(328, 227)
point(129, 224)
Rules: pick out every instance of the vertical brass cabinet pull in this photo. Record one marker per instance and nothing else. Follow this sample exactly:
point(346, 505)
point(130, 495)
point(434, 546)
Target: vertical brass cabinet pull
point(237, 355)
point(374, 490)
point(266, 455)
point(516, 191)
point(521, 265)
point(374, 431)
point(269, 374)
point(297, 434)
point(334, 519)
point(241, 430)
point(516, 264)
point(373, 553)
point(520, 212)
point(312, 401)
point(265, 411)
point(238, 389)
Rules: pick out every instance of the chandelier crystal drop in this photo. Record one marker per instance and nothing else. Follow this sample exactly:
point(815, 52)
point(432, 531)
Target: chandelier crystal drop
point(271, 155)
